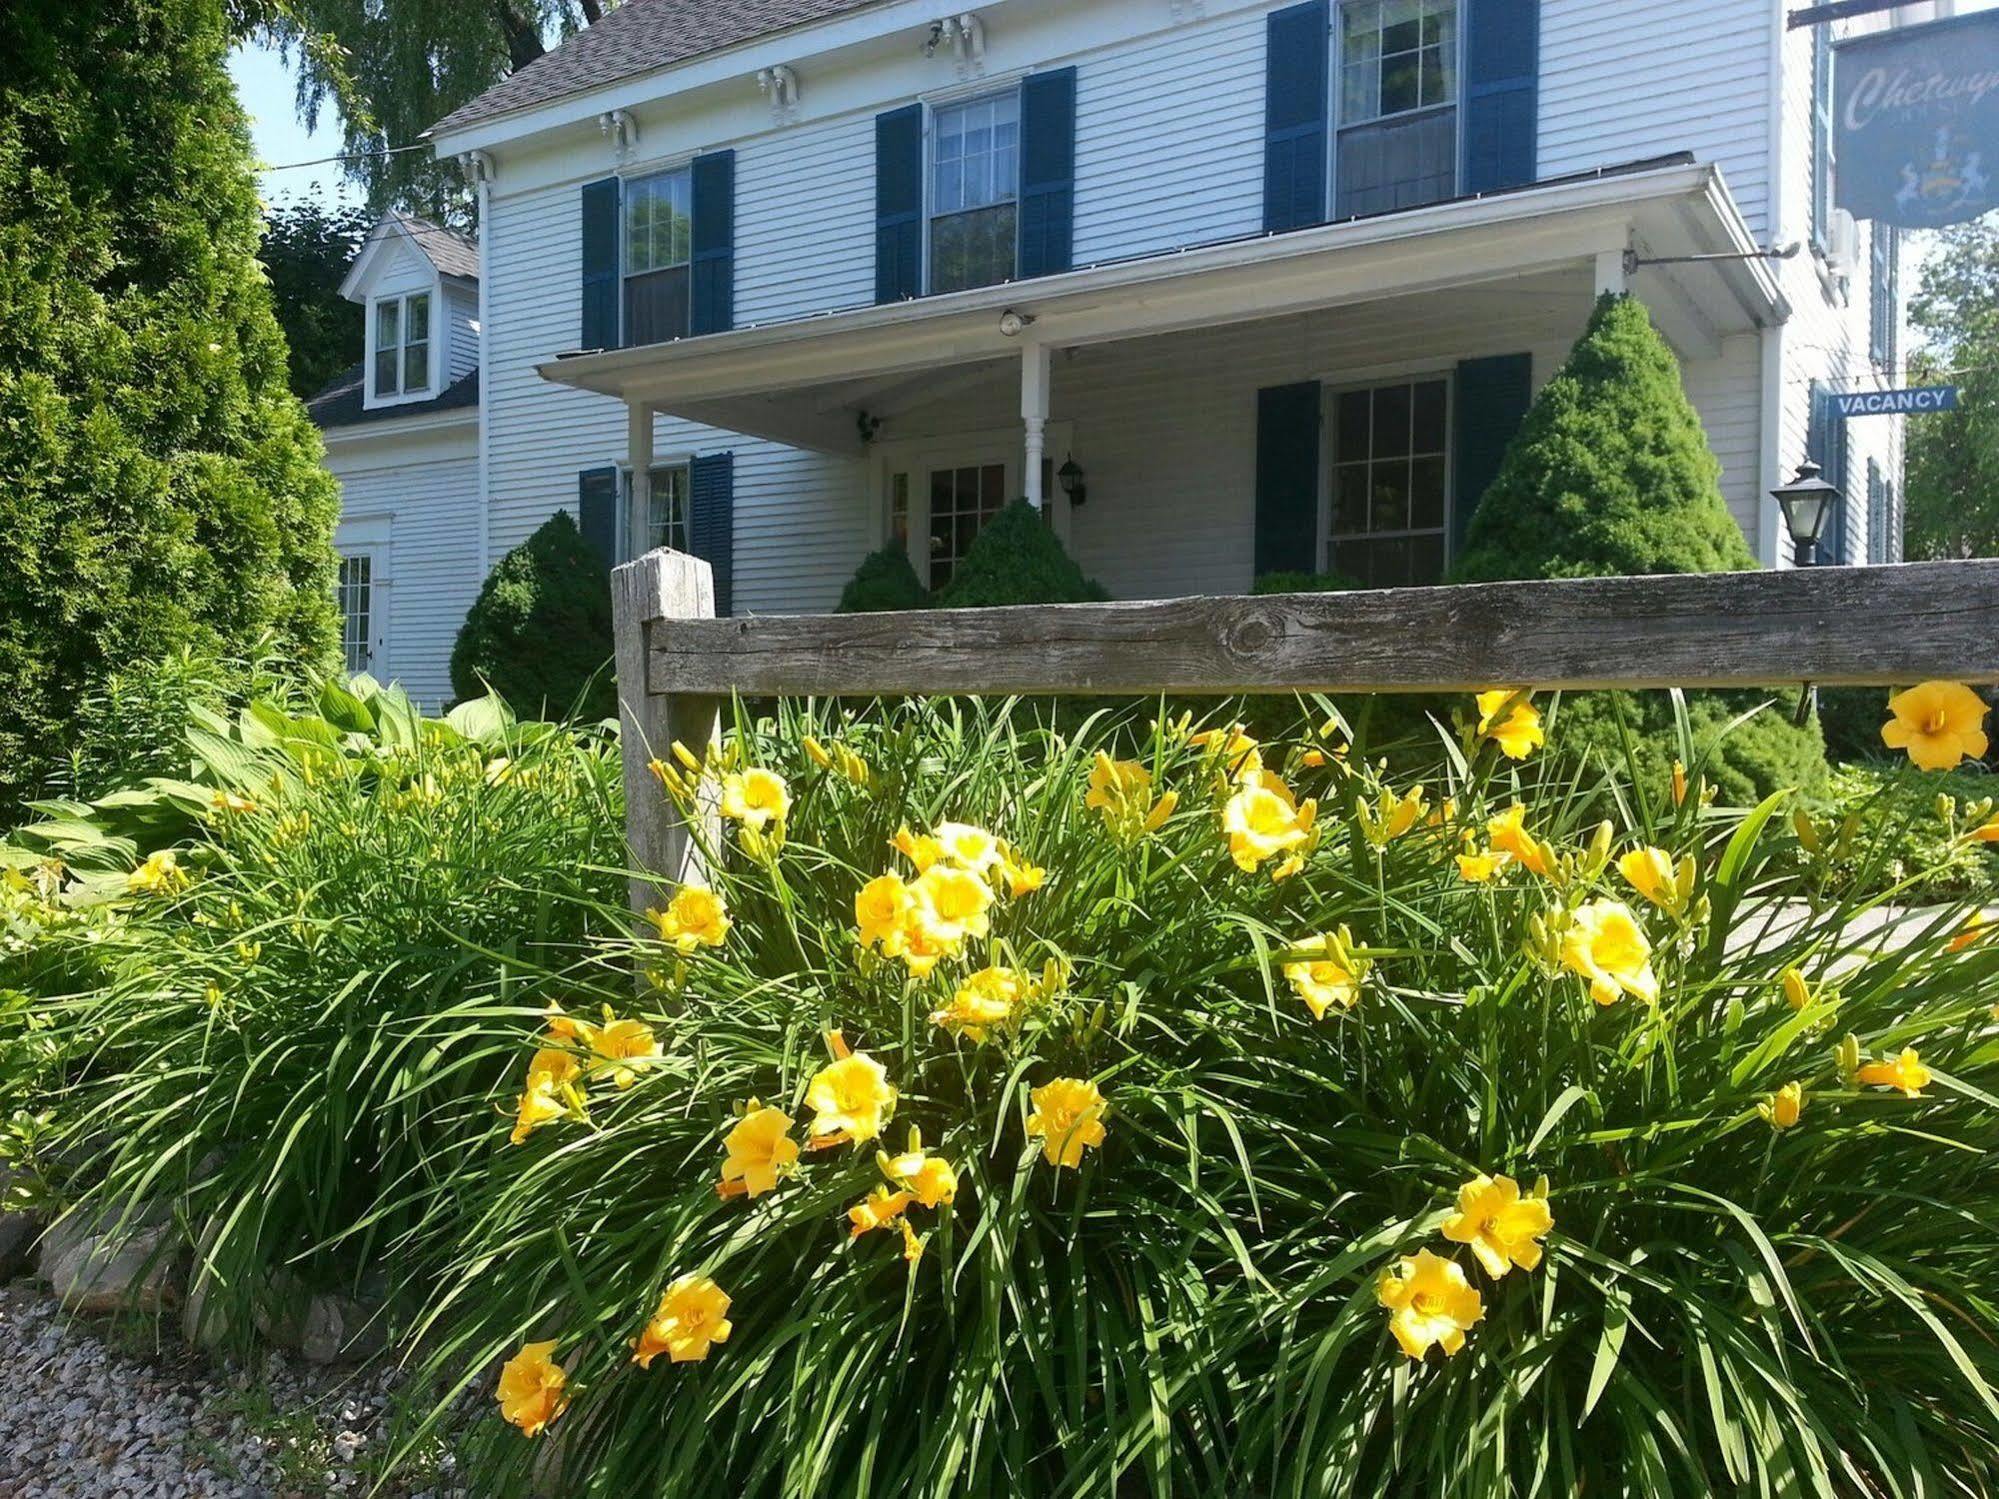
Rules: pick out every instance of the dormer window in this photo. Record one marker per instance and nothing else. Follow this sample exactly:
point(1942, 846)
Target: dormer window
point(402, 345)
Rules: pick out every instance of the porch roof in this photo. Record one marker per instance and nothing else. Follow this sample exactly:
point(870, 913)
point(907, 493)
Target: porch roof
point(772, 380)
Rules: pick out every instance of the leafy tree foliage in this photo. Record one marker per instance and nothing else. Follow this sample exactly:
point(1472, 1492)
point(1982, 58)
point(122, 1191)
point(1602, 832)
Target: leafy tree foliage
point(307, 249)
point(1953, 456)
point(1609, 475)
point(1017, 559)
point(539, 633)
point(159, 485)
point(394, 70)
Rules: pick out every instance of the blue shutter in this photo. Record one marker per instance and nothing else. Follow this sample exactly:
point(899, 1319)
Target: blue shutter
point(899, 204)
point(1287, 478)
point(597, 512)
point(1294, 116)
point(1492, 396)
point(1502, 93)
point(714, 246)
point(1047, 172)
point(1826, 443)
point(711, 519)
point(600, 265)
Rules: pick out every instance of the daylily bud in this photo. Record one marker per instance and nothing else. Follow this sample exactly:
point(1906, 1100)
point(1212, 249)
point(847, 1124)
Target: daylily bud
point(1806, 829)
point(1733, 1016)
point(1797, 993)
point(1679, 783)
point(686, 757)
point(816, 753)
point(1847, 1056)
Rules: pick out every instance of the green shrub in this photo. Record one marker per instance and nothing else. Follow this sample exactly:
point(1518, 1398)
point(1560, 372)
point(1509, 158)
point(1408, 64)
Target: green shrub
point(1194, 1309)
point(883, 582)
point(283, 1047)
point(1303, 583)
point(539, 633)
point(1016, 559)
point(1611, 475)
point(1880, 834)
point(160, 487)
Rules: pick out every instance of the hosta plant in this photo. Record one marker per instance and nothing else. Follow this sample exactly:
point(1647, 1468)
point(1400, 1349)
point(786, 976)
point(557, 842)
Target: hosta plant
point(1152, 1110)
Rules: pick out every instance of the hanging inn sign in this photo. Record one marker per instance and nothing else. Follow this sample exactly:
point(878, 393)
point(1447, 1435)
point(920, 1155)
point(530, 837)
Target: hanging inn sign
point(1916, 110)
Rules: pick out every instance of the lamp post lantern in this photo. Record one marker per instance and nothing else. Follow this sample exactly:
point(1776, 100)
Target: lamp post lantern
point(1807, 504)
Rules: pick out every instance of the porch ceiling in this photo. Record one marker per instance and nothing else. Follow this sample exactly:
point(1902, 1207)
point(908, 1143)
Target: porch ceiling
point(804, 381)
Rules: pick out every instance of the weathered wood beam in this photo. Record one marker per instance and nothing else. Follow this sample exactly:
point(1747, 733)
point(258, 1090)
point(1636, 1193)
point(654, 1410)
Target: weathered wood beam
point(1830, 625)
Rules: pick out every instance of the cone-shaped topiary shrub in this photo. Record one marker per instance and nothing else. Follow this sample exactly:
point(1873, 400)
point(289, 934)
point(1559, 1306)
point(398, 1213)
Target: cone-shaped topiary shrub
point(539, 632)
point(883, 582)
point(1303, 583)
point(160, 487)
point(1017, 559)
point(1610, 474)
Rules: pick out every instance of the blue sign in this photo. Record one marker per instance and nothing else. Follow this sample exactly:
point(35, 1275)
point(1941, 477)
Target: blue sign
point(1916, 111)
point(1916, 398)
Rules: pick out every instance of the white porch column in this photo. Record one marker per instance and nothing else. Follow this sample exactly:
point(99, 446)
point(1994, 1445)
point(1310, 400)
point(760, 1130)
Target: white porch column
point(638, 445)
point(1035, 368)
point(1610, 272)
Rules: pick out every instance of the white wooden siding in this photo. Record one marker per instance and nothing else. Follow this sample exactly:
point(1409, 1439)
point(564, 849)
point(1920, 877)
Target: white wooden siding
point(805, 221)
point(1727, 392)
point(462, 352)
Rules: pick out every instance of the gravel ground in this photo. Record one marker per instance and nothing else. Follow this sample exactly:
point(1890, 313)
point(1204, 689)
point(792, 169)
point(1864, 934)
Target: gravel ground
point(89, 1413)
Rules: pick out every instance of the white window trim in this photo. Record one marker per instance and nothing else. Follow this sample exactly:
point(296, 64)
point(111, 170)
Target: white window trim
point(947, 98)
point(681, 162)
point(919, 455)
point(1335, 63)
point(1330, 391)
point(435, 352)
point(630, 523)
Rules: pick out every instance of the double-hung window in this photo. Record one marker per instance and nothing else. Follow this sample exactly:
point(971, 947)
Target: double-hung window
point(357, 601)
point(665, 521)
point(1397, 143)
point(1390, 479)
point(659, 244)
point(974, 191)
point(402, 345)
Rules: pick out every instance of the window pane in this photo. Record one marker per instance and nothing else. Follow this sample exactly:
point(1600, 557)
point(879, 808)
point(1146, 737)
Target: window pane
point(1401, 86)
point(1360, 96)
point(1429, 431)
point(1388, 508)
point(1391, 421)
point(658, 221)
point(1426, 494)
point(385, 372)
point(387, 321)
point(975, 248)
point(419, 317)
point(1350, 425)
point(948, 194)
point(356, 591)
point(666, 518)
point(416, 366)
point(1349, 498)
point(656, 306)
point(1389, 500)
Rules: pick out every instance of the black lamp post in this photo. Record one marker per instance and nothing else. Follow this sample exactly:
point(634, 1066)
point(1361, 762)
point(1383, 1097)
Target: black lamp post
point(1807, 502)
point(1071, 476)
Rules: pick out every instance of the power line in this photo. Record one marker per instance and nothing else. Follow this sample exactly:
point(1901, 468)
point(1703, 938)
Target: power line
point(345, 156)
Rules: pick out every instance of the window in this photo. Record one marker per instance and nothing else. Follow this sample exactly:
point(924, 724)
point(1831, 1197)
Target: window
point(356, 597)
point(962, 500)
point(659, 244)
point(1822, 137)
point(1885, 296)
point(665, 523)
point(402, 344)
point(974, 181)
point(1390, 473)
point(1397, 144)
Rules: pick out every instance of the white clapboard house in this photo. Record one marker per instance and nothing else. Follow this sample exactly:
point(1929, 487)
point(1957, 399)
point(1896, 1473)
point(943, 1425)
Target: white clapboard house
point(1226, 286)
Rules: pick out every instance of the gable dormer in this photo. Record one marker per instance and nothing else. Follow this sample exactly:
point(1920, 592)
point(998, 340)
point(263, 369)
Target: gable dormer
point(418, 286)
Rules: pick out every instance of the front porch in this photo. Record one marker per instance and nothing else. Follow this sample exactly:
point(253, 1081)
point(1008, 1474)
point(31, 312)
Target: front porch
point(1332, 399)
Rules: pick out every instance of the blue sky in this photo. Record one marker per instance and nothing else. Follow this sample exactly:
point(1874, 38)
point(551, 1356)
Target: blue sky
point(266, 84)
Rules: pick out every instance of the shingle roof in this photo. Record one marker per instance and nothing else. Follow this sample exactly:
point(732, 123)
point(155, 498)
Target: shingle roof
point(638, 37)
point(342, 401)
point(453, 254)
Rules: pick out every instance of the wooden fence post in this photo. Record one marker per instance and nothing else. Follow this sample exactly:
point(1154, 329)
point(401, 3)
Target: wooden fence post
point(649, 596)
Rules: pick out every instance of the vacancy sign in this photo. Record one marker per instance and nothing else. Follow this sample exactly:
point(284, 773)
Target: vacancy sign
point(1918, 398)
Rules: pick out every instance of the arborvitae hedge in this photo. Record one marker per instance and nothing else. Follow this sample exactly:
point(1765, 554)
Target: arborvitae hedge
point(1017, 559)
point(539, 633)
point(159, 485)
point(883, 582)
point(1611, 474)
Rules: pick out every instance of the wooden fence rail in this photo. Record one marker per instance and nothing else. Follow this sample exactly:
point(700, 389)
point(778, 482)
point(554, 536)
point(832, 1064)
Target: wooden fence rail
point(1873, 626)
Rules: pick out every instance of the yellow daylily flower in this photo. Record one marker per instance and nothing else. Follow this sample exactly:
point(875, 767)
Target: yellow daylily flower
point(930, 1179)
point(878, 1209)
point(985, 999)
point(1431, 1303)
point(1605, 944)
point(951, 904)
point(1938, 723)
point(1905, 1072)
point(695, 917)
point(881, 908)
point(1508, 834)
point(621, 1043)
point(1499, 1224)
point(228, 802)
point(1067, 1117)
point(922, 850)
point(1480, 865)
point(755, 797)
point(1022, 875)
point(969, 847)
point(1120, 792)
point(161, 874)
point(551, 1071)
point(849, 1099)
point(530, 1392)
point(1331, 980)
point(692, 1316)
point(1654, 875)
point(1976, 929)
point(1510, 720)
point(1393, 815)
point(1232, 747)
point(757, 1151)
point(1782, 1108)
point(1264, 820)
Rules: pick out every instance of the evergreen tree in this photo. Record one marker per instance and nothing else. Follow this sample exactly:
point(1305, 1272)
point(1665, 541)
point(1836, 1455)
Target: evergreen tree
point(1016, 559)
point(883, 582)
point(307, 249)
point(160, 487)
point(1611, 475)
point(539, 634)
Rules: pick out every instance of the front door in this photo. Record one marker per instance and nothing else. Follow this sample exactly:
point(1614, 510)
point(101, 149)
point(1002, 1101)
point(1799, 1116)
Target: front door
point(363, 612)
